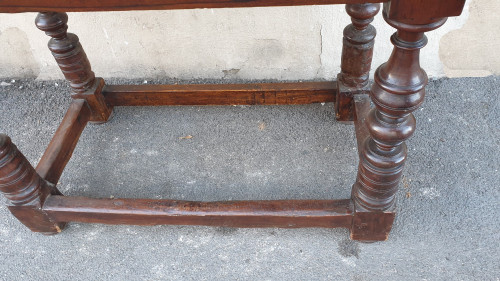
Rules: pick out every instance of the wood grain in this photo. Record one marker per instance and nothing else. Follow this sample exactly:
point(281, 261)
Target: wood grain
point(25, 190)
point(283, 213)
point(361, 109)
point(398, 90)
point(422, 12)
point(16, 6)
point(67, 50)
point(74, 64)
point(63, 143)
point(357, 53)
point(220, 94)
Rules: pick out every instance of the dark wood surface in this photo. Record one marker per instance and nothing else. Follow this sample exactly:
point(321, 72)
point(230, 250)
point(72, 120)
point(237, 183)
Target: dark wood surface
point(74, 64)
point(423, 11)
point(67, 51)
point(284, 213)
point(61, 147)
point(357, 46)
point(16, 6)
point(361, 109)
point(398, 90)
point(357, 53)
point(221, 94)
point(25, 189)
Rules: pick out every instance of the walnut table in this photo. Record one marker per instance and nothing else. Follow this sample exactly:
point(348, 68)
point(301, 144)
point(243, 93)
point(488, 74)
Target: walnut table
point(398, 90)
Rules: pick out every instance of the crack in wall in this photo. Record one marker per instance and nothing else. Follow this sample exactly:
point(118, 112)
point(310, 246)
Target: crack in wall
point(320, 50)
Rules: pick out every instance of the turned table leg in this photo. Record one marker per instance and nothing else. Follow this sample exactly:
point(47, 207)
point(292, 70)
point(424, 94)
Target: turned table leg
point(398, 90)
point(25, 189)
point(356, 58)
point(72, 60)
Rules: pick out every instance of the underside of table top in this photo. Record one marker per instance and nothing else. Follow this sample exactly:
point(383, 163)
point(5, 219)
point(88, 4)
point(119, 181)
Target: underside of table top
point(124, 5)
point(412, 11)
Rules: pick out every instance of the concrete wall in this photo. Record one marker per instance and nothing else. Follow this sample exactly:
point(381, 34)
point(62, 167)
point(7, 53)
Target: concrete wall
point(285, 43)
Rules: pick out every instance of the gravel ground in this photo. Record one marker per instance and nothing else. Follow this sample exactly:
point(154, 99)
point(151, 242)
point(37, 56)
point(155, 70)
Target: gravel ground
point(447, 227)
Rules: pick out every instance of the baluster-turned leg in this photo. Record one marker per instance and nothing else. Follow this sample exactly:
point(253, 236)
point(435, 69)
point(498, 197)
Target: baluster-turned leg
point(356, 58)
point(72, 60)
point(398, 90)
point(25, 189)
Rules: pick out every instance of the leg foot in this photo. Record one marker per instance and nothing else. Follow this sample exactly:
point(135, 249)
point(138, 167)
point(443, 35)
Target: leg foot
point(371, 226)
point(25, 189)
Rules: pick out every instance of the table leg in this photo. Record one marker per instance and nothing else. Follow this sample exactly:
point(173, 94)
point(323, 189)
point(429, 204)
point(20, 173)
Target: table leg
point(25, 189)
point(72, 60)
point(357, 54)
point(398, 90)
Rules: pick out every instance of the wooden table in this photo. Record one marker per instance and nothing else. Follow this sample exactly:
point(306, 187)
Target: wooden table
point(398, 90)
